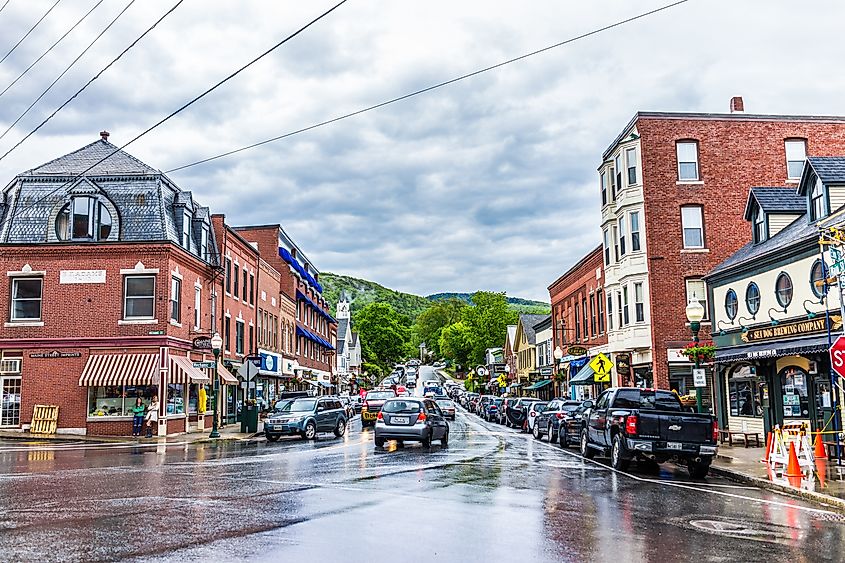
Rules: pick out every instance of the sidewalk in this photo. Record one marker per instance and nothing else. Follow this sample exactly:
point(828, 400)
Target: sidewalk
point(230, 432)
point(824, 483)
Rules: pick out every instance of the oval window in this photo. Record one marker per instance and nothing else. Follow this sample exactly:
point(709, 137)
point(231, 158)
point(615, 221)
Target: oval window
point(752, 298)
point(783, 289)
point(817, 276)
point(731, 304)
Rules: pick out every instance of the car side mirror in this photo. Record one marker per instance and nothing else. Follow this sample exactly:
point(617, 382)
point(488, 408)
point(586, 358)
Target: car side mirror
point(588, 404)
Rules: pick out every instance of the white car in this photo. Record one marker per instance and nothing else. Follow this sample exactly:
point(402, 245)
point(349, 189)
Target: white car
point(533, 412)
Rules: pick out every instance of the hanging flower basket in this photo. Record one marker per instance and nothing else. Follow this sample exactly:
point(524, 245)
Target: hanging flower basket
point(703, 351)
point(558, 377)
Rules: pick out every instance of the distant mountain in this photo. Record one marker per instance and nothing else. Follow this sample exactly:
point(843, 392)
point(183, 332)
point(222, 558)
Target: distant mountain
point(363, 292)
point(517, 303)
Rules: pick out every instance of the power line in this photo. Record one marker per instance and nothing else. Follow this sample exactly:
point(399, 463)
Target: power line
point(6, 3)
point(430, 88)
point(65, 71)
point(174, 113)
point(59, 40)
point(96, 76)
point(31, 29)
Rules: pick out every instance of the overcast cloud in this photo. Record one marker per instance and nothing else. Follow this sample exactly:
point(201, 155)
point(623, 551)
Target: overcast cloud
point(485, 184)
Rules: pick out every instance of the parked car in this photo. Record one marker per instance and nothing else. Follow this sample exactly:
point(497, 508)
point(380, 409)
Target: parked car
point(628, 422)
point(411, 419)
point(307, 417)
point(357, 403)
point(517, 412)
point(534, 409)
point(372, 405)
point(561, 414)
point(503, 409)
point(447, 406)
point(481, 407)
point(491, 413)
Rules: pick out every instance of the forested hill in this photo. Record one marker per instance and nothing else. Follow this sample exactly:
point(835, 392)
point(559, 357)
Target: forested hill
point(517, 303)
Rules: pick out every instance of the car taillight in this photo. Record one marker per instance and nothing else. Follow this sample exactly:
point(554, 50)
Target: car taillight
point(631, 424)
point(532, 413)
point(715, 431)
point(421, 417)
point(380, 416)
point(559, 415)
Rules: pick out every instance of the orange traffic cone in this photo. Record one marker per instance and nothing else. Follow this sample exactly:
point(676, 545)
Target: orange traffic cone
point(821, 470)
point(768, 446)
point(818, 448)
point(793, 469)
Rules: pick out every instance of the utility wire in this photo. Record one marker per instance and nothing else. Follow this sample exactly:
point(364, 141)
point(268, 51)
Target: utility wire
point(430, 88)
point(59, 40)
point(31, 29)
point(96, 76)
point(6, 3)
point(65, 71)
point(34, 204)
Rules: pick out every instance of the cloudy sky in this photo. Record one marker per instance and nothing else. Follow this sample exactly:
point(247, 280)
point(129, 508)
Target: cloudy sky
point(485, 184)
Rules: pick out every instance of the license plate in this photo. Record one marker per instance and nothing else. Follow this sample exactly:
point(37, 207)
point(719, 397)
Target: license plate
point(674, 446)
point(399, 420)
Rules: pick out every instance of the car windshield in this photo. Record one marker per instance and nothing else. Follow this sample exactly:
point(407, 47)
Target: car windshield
point(280, 405)
point(647, 399)
point(445, 403)
point(373, 395)
point(570, 408)
point(300, 405)
point(401, 407)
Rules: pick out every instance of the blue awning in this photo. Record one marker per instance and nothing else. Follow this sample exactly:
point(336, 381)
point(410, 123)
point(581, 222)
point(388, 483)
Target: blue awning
point(294, 263)
point(328, 317)
point(313, 337)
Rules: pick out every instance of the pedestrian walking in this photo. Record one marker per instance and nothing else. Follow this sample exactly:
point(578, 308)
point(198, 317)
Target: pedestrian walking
point(152, 417)
point(138, 417)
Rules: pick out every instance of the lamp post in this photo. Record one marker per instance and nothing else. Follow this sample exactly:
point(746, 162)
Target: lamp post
point(695, 312)
point(216, 346)
point(558, 354)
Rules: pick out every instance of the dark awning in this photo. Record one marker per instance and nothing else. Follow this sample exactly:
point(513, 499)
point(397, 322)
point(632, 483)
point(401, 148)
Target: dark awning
point(795, 346)
point(585, 376)
point(539, 384)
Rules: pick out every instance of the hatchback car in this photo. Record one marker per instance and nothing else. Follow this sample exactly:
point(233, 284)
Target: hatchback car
point(447, 406)
point(306, 417)
point(411, 419)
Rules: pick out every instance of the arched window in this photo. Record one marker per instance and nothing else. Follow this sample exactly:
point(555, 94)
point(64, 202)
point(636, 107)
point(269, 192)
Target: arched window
point(84, 218)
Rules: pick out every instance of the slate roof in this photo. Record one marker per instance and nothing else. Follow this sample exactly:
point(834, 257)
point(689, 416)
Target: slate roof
point(528, 322)
point(830, 169)
point(775, 200)
point(121, 163)
point(342, 325)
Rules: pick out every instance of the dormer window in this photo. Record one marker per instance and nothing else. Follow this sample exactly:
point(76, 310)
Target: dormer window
point(84, 218)
point(204, 242)
point(186, 230)
point(818, 204)
point(760, 230)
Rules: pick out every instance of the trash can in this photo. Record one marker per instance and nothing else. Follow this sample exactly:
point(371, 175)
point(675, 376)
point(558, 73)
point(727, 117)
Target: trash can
point(249, 419)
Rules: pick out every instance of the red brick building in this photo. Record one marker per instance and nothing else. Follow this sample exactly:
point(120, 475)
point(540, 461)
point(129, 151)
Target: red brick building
point(673, 192)
point(109, 275)
point(578, 320)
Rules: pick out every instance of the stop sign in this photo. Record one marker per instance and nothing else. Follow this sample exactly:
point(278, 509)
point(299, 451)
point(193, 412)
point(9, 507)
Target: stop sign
point(837, 356)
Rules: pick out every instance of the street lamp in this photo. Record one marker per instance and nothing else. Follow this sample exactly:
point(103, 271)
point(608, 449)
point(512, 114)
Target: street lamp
point(695, 312)
point(558, 354)
point(216, 346)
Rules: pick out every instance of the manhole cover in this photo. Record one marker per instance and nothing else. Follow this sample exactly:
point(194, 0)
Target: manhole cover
point(745, 529)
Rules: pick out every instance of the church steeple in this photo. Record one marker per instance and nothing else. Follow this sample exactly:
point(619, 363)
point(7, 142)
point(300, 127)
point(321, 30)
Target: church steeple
point(343, 306)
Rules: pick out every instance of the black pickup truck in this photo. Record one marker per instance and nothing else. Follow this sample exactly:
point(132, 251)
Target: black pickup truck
point(630, 422)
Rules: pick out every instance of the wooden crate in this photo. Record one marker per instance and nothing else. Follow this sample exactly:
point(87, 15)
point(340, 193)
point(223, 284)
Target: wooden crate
point(44, 419)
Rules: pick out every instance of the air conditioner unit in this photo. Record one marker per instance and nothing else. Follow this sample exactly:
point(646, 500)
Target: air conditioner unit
point(10, 365)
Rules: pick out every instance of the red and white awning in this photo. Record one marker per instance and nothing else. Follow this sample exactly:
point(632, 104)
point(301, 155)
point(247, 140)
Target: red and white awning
point(182, 371)
point(226, 377)
point(120, 369)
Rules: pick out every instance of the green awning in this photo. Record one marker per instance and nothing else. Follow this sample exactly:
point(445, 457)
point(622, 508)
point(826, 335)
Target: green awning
point(585, 376)
point(538, 385)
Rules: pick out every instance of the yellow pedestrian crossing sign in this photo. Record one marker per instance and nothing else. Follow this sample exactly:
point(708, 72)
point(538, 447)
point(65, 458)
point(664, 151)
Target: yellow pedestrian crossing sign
point(601, 365)
point(502, 381)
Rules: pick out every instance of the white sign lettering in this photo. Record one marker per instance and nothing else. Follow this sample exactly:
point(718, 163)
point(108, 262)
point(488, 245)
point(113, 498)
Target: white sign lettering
point(82, 276)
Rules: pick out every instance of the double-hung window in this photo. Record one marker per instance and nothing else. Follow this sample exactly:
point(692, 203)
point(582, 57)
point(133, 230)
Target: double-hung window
point(603, 188)
point(796, 154)
point(692, 221)
point(759, 225)
point(228, 276)
point(635, 231)
point(687, 161)
point(236, 277)
point(239, 337)
point(609, 311)
point(197, 307)
point(617, 164)
point(186, 230)
point(639, 308)
point(625, 316)
point(204, 243)
point(175, 300)
point(593, 314)
point(586, 319)
point(818, 203)
point(245, 286)
point(600, 305)
point(139, 297)
point(252, 289)
point(26, 299)
point(606, 247)
point(696, 289)
point(631, 161)
point(577, 324)
point(622, 235)
point(227, 336)
point(620, 317)
point(615, 243)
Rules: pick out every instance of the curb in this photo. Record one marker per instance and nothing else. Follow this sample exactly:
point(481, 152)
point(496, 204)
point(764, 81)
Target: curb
point(819, 498)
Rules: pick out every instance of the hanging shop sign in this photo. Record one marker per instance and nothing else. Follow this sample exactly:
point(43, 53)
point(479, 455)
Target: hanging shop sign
point(546, 371)
point(55, 354)
point(623, 364)
point(576, 351)
point(202, 343)
point(791, 328)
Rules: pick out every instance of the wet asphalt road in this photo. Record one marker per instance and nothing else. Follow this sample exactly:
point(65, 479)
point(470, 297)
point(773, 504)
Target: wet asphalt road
point(492, 495)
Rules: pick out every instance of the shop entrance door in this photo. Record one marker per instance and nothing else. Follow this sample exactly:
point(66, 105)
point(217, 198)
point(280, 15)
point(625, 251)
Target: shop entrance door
point(10, 402)
point(824, 405)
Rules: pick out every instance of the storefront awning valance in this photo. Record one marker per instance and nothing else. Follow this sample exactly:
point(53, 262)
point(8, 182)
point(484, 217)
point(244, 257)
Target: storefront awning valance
point(120, 369)
point(585, 376)
point(183, 371)
point(225, 375)
point(538, 385)
point(313, 337)
point(796, 346)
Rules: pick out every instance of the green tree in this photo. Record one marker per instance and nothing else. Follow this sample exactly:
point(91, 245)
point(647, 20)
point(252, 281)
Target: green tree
point(486, 321)
point(385, 338)
point(433, 320)
point(455, 343)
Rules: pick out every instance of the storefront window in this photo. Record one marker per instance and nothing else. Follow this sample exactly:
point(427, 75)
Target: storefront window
point(794, 382)
point(744, 392)
point(175, 398)
point(117, 400)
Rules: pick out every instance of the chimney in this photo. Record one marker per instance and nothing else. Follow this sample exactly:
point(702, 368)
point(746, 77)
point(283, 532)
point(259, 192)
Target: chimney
point(736, 105)
point(104, 135)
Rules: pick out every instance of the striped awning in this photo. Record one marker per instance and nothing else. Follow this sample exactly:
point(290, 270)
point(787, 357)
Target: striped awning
point(120, 369)
point(182, 370)
point(225, 375)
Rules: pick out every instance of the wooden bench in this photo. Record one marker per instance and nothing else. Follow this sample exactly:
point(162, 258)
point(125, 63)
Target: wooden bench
point(729, 435)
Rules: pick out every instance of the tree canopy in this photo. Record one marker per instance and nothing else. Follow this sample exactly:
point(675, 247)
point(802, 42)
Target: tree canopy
point(385, 335)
